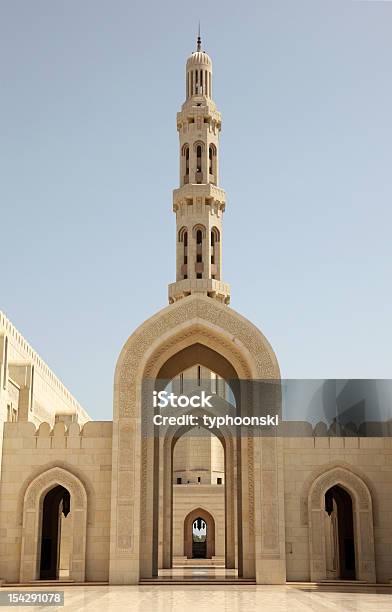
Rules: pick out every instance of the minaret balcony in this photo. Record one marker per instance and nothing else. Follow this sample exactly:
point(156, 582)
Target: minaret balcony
point(206, 286)
point(192, 108)
point(204, 190)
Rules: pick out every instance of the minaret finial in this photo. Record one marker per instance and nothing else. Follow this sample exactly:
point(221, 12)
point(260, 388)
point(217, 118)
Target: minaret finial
point(198, 39)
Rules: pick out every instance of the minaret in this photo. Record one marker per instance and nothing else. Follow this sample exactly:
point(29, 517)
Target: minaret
point(199, 202)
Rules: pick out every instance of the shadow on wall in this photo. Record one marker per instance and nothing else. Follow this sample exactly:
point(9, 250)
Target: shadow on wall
point(338, 401)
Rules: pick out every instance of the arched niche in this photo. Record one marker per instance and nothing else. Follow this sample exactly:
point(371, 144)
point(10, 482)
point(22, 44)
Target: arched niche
point(32, 519)
point(188, 531)
point(362, 519)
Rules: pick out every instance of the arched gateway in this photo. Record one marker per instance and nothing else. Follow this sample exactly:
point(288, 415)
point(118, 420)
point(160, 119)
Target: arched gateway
point(138, 467)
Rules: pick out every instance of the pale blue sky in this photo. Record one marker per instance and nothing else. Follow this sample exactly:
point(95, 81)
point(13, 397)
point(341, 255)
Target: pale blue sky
point(89, 156)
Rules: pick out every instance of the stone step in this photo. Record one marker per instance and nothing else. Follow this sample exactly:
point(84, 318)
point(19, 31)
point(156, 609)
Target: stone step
point(184, 562)
point(51, 583)
point(189, 581)
point(338, 583)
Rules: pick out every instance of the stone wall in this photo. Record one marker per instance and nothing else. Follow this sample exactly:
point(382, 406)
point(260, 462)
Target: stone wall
point(28, 453)
point(189, 497)
point(304, 460)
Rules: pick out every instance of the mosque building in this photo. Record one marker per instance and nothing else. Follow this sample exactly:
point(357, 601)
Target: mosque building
point(125, 502)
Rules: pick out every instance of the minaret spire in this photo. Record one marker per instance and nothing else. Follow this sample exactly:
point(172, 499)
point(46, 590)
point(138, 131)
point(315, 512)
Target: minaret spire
point(198, 47)
point(199, 201)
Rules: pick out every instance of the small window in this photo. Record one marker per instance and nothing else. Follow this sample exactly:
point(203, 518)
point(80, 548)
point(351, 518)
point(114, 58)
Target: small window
point(198, 258)
point(198, 479)
point(181, 383)
point(219, 481)
point(198, 275)
point(179, 480)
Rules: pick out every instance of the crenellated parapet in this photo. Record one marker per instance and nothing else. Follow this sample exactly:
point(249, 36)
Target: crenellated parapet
point(61, 436)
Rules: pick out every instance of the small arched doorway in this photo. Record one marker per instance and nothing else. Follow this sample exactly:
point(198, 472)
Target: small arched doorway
point(199, 539)
point(340, 496)
point(55, 536)
point(199, 535)
point(339, 532)
point(50, 496)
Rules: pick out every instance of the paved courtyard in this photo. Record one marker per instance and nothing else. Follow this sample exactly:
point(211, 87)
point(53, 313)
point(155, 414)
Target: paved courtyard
point(220, 598)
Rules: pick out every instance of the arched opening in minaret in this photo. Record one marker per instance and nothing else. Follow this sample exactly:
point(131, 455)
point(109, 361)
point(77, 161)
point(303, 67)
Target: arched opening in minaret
point(199, 168)
point(56, 535)
point(185, 164)
point(199, 232)
point(182, 273)
point(215, 253)
point(212, 163)
point(339, 534)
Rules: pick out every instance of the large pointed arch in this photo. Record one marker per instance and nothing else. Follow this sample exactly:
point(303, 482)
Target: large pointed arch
point(192, 320)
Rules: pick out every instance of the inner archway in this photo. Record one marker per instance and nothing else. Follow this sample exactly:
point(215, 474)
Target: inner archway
point(212, 467)
point(339, 534)
point(199, 462)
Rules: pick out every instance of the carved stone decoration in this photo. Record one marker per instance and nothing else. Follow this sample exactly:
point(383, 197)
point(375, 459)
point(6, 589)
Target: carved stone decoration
point(32, 508)
point(363, 523)
point(205, 313)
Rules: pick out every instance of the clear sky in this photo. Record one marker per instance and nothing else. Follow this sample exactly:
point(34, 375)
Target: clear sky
point(89, 156)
